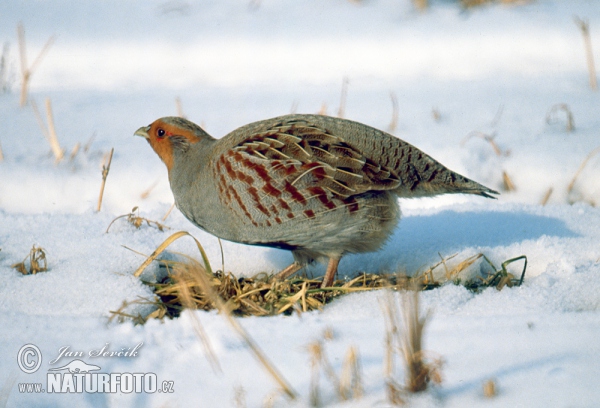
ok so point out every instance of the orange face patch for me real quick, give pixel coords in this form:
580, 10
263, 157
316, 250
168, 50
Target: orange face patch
160, 134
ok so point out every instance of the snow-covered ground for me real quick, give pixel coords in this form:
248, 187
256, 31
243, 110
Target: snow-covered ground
498, 70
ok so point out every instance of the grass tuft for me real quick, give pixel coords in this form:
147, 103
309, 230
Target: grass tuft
37, 262
404, 337
134, 219
348, 385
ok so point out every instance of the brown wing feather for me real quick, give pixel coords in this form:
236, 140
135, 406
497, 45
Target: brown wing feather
296, 170
315, 148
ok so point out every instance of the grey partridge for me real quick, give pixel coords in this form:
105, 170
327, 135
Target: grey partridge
318, 186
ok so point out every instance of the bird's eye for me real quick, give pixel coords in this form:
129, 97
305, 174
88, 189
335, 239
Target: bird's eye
160, 133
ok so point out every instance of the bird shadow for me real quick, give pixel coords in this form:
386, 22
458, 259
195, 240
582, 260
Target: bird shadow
460, 229
418, 240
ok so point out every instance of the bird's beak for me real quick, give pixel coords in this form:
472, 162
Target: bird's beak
143, 132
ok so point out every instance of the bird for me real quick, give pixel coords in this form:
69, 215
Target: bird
318, 186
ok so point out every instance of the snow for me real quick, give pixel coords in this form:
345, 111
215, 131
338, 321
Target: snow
497, 70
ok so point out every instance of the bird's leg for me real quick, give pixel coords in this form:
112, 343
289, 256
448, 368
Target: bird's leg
289, 271
330, 272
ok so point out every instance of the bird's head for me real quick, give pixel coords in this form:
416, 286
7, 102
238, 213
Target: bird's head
171, 135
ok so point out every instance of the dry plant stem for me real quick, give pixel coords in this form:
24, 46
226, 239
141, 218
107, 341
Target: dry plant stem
390, 312
581, 167
164, 246
26, 71
489, 388
39, 119
105, 170
179, 107
52, 138
411, 343
75, 151
1, 154
49, 131
487, 138
507, 182
394, 123
351, 380
168, 212
189, 304
134, 219
546, 197
145, 194
323, 110
342, 110
315, 373
587, 41
88, 144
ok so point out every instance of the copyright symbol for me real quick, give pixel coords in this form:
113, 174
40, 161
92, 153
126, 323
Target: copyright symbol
29, 358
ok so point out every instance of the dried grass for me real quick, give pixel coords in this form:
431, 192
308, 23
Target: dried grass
488, 138
323, 110
348, 385
179, 107
134, 219
164, 218
343, 97
394, 122
27, 72
37, 262
584, 26
585, 161
146, 193
105, 170
507, 183
49, 131
88, 144
404, 337
74, 152
546, 196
